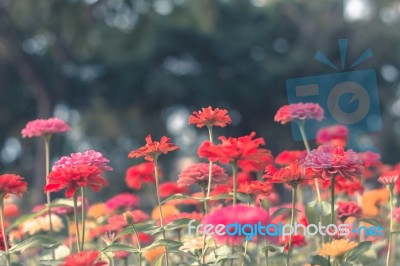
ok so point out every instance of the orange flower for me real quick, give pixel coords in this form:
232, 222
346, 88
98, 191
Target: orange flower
254, 188
152, 254
98, 210
168, 210
153, 149
337, 248
209, 117
372, 200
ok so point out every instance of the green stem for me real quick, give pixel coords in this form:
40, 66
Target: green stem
234, 173
294, 195
159, 207
138, 243
210, 133
47, 139
77, 234
203, 249
245, 251
333, 200
391, 198
83, 217
3, 231
266, 257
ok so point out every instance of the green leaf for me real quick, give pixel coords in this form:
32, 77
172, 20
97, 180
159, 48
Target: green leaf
120, 247
272, 248
164, 242
222, 196
319, 260
244, 197
179, 223
148, 228
176, 197
63, 202
370, 221
40, 240
356, 252
322, 208
25, 218
282, 211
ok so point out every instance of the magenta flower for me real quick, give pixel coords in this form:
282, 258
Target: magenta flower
240, 214
299, 112
329, 161
198, 174
43, 127
88, 158
122, 201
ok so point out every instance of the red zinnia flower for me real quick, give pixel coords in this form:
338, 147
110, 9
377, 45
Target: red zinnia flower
254, 188
257, 162
292, 174
84, 258
153, 149
198, 174
333, 135
372, 163
12, 184
287, 157
141, 173
329, 161
299, 112
390, 177
347, 209
297, 241
122, 201
170, 188
72, 178
232, 150
343, 185
42, 127
209, 117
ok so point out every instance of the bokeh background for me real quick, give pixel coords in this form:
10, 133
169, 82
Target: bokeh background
117, 70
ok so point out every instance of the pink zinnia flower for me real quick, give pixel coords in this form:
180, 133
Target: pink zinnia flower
42, 127
122, 201
348, 209
333, 135
88, 158
389, 178
329, 161
240, 214
198, 174
299, 112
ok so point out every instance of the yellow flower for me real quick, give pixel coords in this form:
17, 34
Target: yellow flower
41, 223
337, 248
194, 244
